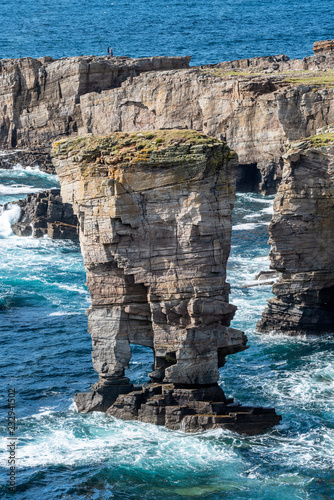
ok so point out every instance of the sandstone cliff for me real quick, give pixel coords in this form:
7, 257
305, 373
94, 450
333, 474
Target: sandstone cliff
155, 230
257, 105
302, 241
40, 98
323, 46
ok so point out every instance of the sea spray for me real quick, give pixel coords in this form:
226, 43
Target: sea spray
8, 216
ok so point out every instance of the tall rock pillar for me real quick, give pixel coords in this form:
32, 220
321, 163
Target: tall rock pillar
302, 242
155, 231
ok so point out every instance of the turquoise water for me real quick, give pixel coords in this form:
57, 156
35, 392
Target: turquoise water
210, 31
45, 348
46, 356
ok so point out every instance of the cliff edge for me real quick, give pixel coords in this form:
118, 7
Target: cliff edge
256, 105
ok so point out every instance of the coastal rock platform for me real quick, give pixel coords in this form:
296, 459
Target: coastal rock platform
44, 213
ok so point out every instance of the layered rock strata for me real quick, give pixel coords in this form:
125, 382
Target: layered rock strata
155, 229
43, 214
302, 242
323, 46
40, 98
257, 105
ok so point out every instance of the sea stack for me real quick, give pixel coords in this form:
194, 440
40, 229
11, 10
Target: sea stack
154, 210
302, 241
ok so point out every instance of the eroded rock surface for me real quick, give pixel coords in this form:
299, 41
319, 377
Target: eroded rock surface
40, 98
36, 157
302, 241
257, 105
155, 229
44, 213
323, 46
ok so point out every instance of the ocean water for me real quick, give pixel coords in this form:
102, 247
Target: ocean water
46, 357
211, 31
45, 349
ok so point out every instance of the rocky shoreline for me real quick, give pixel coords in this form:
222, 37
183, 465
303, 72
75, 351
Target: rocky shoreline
44, 213
148, 179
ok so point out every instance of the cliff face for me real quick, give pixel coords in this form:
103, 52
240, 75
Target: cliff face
155, 229
323, 46
257, 105
257, 115
40, 98
302, 242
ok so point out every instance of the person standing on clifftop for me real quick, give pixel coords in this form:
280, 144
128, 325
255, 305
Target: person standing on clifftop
110, 51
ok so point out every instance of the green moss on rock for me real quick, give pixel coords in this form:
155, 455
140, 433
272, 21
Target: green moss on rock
315, 141
136, 147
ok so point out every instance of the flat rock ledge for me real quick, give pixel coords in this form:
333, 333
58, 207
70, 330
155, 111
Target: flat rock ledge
154, 213
182, 408
302, 241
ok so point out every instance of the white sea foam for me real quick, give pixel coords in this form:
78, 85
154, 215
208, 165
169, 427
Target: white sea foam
17, 189
20, 170
255, 198
7, 218
72, 288
66, 313
247, 226
268, 210
6, 152
259, 215
72, 438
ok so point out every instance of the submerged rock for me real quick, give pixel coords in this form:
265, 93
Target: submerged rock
44, 213
302, 241
155, 233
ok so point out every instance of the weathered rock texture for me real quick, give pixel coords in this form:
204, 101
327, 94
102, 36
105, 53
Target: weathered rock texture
256, 108
302, 242
257, 105
323, 46
45, 214
37, 157
40, 98
155, 229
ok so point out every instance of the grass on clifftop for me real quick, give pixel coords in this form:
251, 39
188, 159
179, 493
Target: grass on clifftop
321, 140
318, 78
315, 141
127, 146
296, 77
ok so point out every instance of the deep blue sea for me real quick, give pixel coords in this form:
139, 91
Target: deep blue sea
211, 31
45, 349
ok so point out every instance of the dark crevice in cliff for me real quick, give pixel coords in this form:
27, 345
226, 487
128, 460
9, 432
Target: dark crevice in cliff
248, 178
